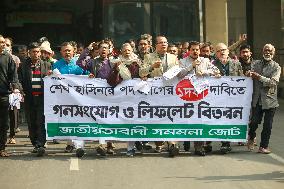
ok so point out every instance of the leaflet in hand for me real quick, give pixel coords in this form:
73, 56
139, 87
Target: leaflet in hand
56, 72
143, 86
172, 72
199, 83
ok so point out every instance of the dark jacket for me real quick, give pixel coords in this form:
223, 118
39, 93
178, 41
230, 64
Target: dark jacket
235, 68
25, 76
8, 74
246, 66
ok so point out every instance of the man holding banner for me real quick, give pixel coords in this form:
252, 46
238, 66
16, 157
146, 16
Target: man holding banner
100, 67
154, 65
227, 67
265, 74
199, 66
67, 65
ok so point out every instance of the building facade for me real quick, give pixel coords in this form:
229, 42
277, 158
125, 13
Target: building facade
180, 20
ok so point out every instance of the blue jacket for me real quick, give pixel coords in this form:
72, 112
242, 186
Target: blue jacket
68, 68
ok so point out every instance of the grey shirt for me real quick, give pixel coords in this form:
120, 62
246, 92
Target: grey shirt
265, 89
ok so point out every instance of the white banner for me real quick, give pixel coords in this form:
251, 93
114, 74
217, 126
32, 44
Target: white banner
207, 103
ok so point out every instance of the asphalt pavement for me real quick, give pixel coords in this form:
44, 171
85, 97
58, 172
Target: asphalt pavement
57, 169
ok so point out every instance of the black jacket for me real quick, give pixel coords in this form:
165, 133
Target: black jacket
8, 74
25, 75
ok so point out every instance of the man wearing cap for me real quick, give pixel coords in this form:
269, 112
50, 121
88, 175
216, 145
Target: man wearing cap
47, 53
31, 74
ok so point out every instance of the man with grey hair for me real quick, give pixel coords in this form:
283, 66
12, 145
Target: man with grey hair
227, 67
265, 74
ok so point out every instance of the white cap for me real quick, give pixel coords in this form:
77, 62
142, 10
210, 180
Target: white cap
45, 46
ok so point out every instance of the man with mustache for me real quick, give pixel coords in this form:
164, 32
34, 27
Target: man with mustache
246, 60
195, 64
265, 74
143, 48
205, 51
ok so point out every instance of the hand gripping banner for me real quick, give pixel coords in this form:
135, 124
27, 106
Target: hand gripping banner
189, 109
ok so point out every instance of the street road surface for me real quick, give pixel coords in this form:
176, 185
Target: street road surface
59, 170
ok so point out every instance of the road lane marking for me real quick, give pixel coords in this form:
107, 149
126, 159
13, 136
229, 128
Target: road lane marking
276, 157
74, 164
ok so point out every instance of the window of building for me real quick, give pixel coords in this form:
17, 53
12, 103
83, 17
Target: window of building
178, 20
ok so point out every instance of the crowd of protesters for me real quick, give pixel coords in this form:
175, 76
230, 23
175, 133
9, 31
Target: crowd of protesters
21, 83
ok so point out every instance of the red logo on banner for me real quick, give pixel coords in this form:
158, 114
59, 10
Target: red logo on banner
186, 91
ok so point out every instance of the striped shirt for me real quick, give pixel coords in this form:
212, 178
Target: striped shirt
36, 80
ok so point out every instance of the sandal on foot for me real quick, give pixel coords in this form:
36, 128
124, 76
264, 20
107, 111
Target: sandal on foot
3, 153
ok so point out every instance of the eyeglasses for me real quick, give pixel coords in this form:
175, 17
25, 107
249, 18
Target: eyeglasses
104, 46
222, 50
163, 42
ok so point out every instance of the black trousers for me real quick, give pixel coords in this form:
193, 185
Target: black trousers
14, 121
4, 125
256, 118
35, 119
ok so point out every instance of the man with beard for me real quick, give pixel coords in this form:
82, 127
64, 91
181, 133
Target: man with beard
205, 51
143, 48
245, 58
265, 74
227, 67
